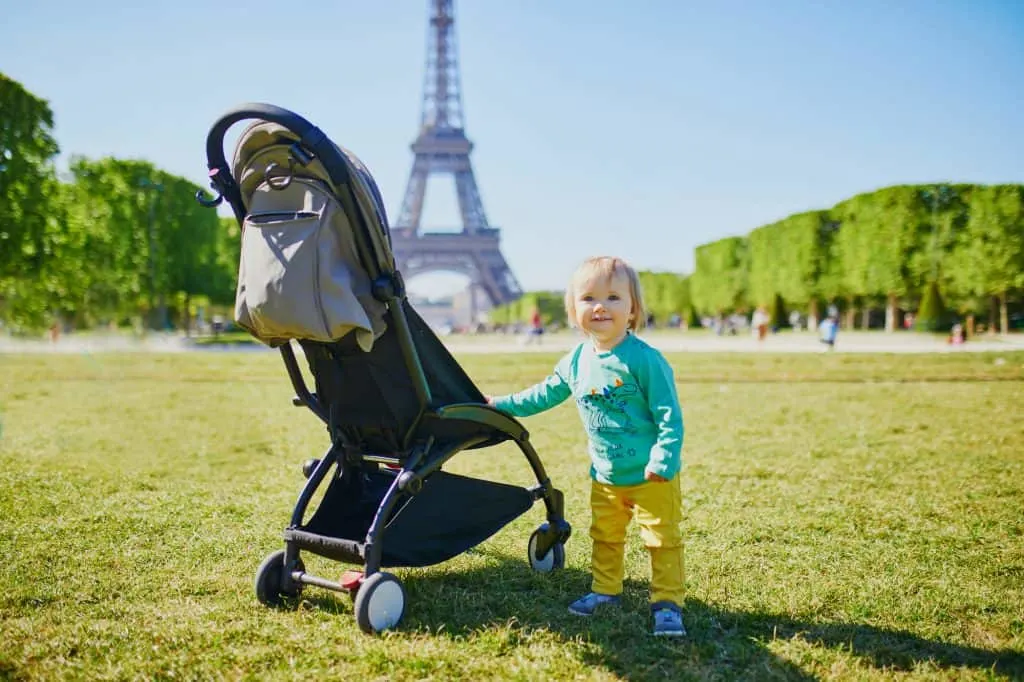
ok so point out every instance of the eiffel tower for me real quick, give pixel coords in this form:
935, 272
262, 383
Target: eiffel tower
442, 147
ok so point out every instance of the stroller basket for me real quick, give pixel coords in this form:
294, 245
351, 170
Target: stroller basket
317, 274
423, 530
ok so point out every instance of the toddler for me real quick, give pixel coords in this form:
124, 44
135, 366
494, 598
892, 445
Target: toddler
626, 396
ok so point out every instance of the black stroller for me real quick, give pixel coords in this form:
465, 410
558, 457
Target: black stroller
317, 270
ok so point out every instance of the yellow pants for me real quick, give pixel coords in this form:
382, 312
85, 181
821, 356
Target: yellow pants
659, 512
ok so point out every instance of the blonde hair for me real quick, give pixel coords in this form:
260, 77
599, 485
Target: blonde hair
606, 267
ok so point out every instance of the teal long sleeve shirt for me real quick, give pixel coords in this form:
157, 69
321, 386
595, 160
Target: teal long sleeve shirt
628, 403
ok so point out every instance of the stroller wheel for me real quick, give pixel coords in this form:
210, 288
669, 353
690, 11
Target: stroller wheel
380, 603
554, 559
270, 580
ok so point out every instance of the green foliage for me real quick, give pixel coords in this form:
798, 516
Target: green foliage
227, 252
719, 283
877, 235
778, 317
787, 258
550, 304
119, 237
885, 245
946, 212
666, 294
147, 234
988, 254
26, 151
27, 192
932, 316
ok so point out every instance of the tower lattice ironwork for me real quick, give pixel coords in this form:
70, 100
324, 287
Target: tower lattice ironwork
442, 147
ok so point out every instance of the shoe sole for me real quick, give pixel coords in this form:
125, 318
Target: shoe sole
681, 633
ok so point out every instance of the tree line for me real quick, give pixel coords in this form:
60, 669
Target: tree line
943, 251
113, 242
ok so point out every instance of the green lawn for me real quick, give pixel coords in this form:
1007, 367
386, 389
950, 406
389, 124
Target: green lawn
847, 517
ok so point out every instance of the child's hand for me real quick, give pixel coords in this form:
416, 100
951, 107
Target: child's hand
489, 399
651, 476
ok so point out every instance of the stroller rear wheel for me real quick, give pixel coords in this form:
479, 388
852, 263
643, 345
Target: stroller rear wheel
552, 560
270, 580
380, 603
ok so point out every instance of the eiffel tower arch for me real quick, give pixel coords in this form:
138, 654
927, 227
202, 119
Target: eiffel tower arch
443, 148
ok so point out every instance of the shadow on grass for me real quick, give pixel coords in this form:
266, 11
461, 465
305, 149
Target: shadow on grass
720, 644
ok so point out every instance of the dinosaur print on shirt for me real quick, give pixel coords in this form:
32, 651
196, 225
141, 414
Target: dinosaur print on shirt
605, 409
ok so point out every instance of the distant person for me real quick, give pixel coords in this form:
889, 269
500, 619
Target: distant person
759, 323
828, 329
217, 325
794, 320
536, 331
626, 396
956, 335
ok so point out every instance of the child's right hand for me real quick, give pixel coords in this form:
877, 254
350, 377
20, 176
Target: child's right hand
489, 399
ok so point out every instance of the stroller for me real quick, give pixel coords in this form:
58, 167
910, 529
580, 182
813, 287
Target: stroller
317, 274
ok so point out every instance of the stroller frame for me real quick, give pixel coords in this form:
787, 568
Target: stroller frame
379, 596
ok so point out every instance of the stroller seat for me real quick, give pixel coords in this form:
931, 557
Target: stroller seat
317, 275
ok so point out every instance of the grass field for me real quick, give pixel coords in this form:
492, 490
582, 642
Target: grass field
847, 517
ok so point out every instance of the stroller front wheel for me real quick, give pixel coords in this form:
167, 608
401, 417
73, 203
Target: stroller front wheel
380, 603
270, 580
552, 560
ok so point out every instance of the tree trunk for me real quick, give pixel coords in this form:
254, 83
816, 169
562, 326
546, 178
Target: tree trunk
162, 312
187, 314
812, 316
970, 325
1004, 317
851, 313
890, 313
865, 317
992, 310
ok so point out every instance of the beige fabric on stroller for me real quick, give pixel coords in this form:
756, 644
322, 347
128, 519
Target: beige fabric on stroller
299, 275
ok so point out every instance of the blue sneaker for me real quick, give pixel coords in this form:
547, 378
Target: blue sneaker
668, 622
587, 605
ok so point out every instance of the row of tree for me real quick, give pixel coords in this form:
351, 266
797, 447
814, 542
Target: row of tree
944, 251
112, 242
959, 247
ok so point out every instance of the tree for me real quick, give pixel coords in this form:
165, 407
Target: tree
27, 190
932, 315
191, 246
26, 152
144, 240
666, 294
988, 259
788, 259
877, 235
719, 282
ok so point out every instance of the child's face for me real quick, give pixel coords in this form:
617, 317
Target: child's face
603, 309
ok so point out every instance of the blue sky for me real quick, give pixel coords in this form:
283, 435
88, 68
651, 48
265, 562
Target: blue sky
641, 129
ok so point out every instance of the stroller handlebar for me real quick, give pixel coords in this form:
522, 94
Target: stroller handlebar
306, 131
310, 137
